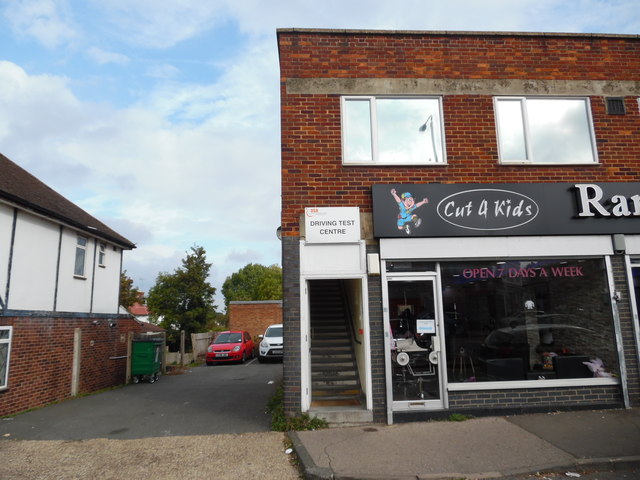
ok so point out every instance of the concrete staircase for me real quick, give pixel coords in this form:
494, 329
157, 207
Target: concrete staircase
334, 373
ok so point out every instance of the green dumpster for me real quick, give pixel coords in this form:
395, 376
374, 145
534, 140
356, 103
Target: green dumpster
146, 360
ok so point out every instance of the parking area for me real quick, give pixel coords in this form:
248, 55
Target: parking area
203, 400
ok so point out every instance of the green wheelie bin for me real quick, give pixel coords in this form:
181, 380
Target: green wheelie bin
146, 360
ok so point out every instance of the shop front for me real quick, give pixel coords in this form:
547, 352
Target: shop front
512, 297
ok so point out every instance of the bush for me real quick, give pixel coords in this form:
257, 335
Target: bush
281, 423
459, 417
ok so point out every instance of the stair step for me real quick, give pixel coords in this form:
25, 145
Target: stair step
338, 392
331, 354
324, 360
337, 368
338, 402
329, 343
334, 376
338, 372
324, 381
328, 347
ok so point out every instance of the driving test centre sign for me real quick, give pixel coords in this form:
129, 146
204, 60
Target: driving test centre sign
332, 224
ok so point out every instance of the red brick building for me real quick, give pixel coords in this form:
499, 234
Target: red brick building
460, 222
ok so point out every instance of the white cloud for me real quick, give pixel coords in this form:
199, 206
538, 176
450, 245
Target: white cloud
165, 186
163, 71
161, 23
48, 21
102, 57
194, 158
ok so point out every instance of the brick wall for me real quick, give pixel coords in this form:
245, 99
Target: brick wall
312, 170
629, 341
317, 67
376, 338
561, 398
291, 369
254, 317
42, 356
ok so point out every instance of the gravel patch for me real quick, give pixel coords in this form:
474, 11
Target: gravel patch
247, 455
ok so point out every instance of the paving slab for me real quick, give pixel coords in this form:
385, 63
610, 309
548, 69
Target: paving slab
589, 433
488, 447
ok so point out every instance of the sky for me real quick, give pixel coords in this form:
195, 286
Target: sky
161, 117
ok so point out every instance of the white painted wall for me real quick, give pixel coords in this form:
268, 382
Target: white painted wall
105, 297
33, 267
35, 263
74, 293
6, 220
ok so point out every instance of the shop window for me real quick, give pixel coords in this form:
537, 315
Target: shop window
545, 130
81, 253
392, 131
528, 320
5, 351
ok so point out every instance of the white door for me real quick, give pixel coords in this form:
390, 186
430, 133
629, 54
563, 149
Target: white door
414, 333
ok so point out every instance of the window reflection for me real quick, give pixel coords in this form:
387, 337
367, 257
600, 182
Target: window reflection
527, 320
357, 128
392, 130
544, 130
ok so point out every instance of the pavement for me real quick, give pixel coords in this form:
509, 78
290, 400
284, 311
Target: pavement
210, 422
573, 444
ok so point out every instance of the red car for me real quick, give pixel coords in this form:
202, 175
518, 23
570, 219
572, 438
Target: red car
232, 346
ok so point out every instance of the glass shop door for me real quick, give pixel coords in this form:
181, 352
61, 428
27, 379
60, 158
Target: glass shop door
413, 328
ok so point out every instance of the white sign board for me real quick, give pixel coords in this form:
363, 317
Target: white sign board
425, 327
332, 224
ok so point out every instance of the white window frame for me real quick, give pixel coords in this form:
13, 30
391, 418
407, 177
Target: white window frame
372, 99
79, 246
530, 159
6, 341
102, 254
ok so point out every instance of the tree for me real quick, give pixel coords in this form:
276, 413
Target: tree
253, 282
128, 293
183, 300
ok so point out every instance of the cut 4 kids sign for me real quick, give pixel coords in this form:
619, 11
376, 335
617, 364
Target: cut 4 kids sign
448, 210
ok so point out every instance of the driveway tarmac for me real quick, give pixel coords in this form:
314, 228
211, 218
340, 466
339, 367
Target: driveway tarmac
208, 422
201, 401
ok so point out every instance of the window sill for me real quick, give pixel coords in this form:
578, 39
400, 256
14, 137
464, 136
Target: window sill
517, 384
374, 164
80, 277
548, 164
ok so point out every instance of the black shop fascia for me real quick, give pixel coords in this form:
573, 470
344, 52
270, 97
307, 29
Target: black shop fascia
505, 209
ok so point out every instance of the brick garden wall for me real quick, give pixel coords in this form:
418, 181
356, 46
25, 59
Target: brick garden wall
42, 356
254, 317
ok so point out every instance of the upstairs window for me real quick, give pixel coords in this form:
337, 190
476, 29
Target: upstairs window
392, 131
545, 130
102, 254
81, 253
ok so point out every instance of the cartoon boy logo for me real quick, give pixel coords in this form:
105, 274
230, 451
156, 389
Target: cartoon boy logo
406, 205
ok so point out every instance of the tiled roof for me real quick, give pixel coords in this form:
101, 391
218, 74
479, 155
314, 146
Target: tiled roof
137, 309
23, 189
